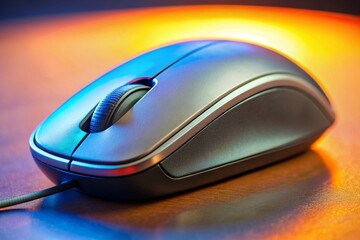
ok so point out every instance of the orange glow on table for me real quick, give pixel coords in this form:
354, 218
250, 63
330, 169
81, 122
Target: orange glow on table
78, 48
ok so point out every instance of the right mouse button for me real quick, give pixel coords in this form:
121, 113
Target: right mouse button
268, 122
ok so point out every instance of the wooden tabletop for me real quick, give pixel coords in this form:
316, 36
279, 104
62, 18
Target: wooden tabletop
316, 195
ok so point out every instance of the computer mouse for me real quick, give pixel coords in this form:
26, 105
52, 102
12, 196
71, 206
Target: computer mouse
180, 117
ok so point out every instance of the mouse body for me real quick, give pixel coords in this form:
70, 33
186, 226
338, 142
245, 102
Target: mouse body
179, 117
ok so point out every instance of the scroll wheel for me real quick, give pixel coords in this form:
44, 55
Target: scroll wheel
114, 105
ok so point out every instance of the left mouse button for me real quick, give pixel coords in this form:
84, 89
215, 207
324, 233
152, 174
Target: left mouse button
46, 157
59, 135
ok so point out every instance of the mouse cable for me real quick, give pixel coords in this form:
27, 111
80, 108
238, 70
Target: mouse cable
39, 194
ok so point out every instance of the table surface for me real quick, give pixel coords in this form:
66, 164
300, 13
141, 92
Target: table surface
44, 60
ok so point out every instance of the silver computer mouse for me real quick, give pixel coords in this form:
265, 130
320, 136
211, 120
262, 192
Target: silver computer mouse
179, 117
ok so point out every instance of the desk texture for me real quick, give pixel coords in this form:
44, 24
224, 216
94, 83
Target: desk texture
316, 195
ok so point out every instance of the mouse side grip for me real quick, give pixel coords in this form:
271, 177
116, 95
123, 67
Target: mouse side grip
269, 121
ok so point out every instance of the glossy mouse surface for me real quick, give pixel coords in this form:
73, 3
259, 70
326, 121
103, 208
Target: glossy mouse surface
179, 117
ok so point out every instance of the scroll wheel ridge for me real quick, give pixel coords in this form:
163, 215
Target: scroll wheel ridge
114, 105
